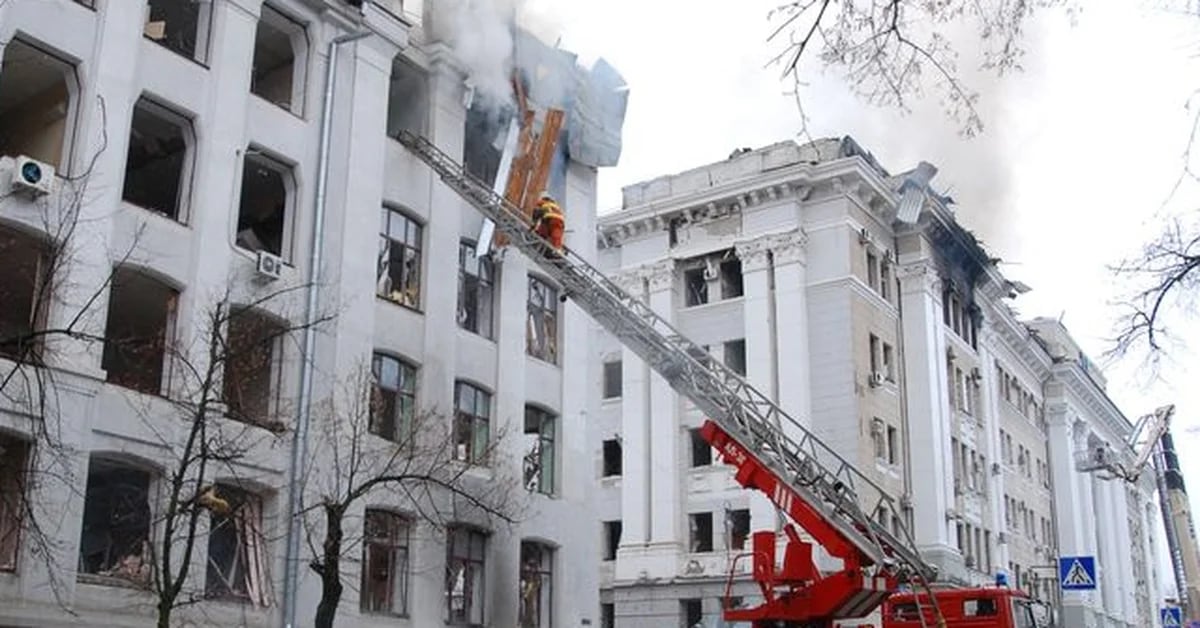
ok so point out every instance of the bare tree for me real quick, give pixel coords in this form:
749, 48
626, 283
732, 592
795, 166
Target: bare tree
420, 460
890, 51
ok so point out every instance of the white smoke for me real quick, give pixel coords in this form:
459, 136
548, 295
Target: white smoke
481, 34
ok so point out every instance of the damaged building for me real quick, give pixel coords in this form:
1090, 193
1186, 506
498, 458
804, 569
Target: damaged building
854, 299
205, 170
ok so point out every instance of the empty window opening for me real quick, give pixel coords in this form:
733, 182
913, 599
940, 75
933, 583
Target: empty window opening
731, 278
608, 615
612, 457
693, 613
537, 585
476, 290
465, 568
237, 561
408, 99
893, 445
735, 356
181, 27
472, 412
541, 337
264, 218
539, 450
385, 563
484, 136
35, 104
695, 286
612, 539
280, 48
14, 468
23, 293
252, 368
885, 281
141, 313
399, 266
872, 270
394, 407
116, 522
700, 532
612, 379
157, 159
889, 363
701, 450
739, 528
873, 344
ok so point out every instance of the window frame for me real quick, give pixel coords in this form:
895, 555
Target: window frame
274, 331
608, 377
611, 531
697, 544
615, 450
203, 44
545, 450
403, 423
97, 464
697, 445
474, 419
537, 315
296, 31
240, 500
71, 84
286, 170
165, 112
170, 312
383, 264
467, 559
543, 571
13, 481
476, 282
397, 550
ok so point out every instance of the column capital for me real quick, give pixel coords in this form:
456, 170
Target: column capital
659, 275
789, 246
628, 280
752, 253
921, 274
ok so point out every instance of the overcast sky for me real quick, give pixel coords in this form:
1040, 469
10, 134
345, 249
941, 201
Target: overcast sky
1078, 154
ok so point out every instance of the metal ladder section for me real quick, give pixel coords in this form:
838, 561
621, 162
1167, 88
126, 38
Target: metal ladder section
827, 482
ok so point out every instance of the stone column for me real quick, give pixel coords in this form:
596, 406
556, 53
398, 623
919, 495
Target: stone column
1127, 607
929, 425
666, 439
794, 392
635, 447
761, 362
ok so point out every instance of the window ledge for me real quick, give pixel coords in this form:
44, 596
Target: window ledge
412, 308
112, 581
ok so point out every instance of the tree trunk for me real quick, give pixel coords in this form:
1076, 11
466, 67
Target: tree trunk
331, 572
164, 612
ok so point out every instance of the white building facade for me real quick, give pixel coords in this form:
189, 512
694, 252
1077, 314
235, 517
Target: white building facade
892, 341
197, 130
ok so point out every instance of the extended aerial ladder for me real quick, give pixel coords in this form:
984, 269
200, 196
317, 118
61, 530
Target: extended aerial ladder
817, 488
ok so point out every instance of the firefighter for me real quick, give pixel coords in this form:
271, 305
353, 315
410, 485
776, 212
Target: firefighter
548, 222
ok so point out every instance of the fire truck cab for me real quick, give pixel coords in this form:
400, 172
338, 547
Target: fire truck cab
984, 607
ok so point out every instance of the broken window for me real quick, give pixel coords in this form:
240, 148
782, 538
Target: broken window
537, 585
878, 443
472, 411
398, 278
476, 290
872, 270
739, 528
14, 468
889, 363
141, 312
608, 615
612, 539
385, 563
735, 356
483, 139
394, 406
893, 445
116, 522
731, 278
873, 345
408, 99
35, 103
612, 457
700, 532
885, 281
159, 142
22, 293
701, 450
181, 27
264, 212
539, 456
693, 612
237, 560
541, 338
695, 287
276, 76
252, 368
465, 576
612, 379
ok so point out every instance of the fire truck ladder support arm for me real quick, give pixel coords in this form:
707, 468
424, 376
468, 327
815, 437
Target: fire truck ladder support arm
835, 497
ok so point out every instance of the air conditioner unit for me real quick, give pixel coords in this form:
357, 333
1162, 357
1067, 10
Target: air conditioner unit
269, 266
32, 177
876, 379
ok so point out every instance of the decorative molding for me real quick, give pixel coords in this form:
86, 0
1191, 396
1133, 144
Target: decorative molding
753, 253
789, 247
659, 275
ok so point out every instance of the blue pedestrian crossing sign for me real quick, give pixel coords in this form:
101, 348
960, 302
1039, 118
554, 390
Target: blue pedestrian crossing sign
1077, 573
1171, 616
